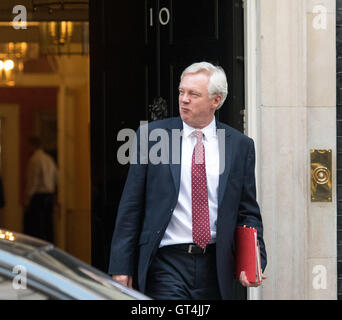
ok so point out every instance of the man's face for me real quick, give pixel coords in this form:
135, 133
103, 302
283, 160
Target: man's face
195, 107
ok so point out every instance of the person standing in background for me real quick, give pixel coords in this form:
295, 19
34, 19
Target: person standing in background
40, 192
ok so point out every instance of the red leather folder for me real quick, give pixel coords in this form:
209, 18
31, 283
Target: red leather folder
247, 254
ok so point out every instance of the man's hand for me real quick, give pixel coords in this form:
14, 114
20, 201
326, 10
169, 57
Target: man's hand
246, 283
123, 279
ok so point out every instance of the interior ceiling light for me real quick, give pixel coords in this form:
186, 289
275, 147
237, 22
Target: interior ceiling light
8, 65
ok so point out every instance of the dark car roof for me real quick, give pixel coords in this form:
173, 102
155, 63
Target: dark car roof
19, 242
46, 255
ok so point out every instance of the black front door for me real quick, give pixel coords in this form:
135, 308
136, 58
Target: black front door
138, 50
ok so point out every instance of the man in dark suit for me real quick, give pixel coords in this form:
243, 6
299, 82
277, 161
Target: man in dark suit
174, 232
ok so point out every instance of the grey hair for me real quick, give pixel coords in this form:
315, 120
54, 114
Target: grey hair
217, 83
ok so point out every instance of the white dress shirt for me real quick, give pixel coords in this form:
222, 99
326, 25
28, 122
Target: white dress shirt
179, 229
41, 174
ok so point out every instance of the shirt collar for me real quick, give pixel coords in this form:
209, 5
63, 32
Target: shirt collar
208, 131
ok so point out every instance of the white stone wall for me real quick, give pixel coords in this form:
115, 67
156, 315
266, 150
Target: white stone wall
296, 70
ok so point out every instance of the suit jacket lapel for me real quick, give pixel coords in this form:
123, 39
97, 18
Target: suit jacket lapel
225, 154
175, 150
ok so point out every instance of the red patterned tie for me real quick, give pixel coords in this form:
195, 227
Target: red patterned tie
200, 208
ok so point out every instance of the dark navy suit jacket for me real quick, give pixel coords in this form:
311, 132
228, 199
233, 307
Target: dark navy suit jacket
151, 194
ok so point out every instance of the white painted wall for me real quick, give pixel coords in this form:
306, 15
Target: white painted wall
291, 108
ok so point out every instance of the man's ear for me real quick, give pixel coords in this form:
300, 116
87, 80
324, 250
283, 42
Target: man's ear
217, 100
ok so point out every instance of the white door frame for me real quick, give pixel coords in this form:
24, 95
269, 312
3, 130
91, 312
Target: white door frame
252, 93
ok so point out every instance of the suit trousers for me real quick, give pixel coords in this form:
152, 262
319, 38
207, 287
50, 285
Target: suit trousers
38, 220
175, 274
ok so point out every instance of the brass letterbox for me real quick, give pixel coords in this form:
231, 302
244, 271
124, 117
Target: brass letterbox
321, 185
